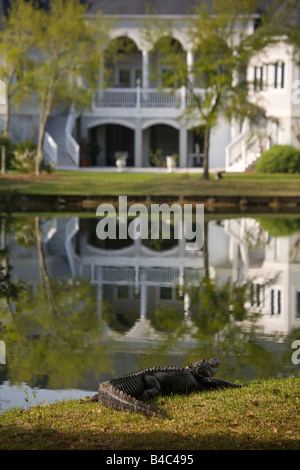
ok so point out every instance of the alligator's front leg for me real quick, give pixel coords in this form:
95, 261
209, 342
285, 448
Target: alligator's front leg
152, 388
209, 383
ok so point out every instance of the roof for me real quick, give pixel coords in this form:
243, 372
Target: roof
161, 7
134, 7
139, 7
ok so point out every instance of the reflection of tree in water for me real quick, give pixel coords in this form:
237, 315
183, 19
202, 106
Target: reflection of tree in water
55, 347
214, 329
215, 305
53, 334
9, 288
280, 226
167, 320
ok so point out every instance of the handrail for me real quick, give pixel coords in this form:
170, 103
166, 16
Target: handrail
50, 149
72, 147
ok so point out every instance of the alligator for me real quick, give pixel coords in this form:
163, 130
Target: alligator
129, 392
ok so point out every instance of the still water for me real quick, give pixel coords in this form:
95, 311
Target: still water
75, 310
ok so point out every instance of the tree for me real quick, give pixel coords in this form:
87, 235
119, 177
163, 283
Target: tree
285, 23
67, 66
17, 38
222, 45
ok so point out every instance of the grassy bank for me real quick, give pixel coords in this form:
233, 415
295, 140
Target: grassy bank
175, 184
262, 415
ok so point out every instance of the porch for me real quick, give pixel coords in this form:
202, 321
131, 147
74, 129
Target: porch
137, 121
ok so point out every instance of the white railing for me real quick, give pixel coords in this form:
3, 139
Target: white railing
50, 149
145, 97
160, 275
130, 275
152, 98
72, 147
244, 151
119, 97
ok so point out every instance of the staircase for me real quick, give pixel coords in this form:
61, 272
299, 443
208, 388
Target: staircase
244, 151
60, 244
56, 129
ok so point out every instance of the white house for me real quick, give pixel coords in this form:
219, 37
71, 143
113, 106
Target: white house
136, 116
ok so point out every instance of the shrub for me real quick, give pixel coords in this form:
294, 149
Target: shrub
157, 158
279, 159
25, 155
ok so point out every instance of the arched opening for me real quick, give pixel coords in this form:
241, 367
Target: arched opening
165, 58
160, 140
123, 64
112, 138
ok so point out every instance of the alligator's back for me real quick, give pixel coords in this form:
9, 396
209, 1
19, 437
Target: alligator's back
122, 393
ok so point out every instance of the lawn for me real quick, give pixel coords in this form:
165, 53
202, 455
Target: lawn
150, 184
264, 414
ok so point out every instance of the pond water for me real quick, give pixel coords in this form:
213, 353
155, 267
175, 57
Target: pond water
75, 310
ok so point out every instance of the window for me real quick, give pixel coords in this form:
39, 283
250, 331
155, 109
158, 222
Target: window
275, 307
269, 76
258, 78
279, 75
257, 295
124, 78
166, 293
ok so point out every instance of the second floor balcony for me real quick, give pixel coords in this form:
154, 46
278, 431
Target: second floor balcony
144, 101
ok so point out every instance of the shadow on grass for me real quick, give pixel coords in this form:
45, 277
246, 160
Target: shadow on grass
39, 438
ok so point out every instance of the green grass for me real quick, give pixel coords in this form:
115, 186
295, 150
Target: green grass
262, 415
175, 184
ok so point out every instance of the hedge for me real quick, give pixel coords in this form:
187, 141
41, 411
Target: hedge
279, 159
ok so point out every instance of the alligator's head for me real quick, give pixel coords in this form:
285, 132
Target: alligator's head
205, 368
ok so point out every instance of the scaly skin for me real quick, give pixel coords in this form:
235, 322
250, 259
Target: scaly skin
130, 391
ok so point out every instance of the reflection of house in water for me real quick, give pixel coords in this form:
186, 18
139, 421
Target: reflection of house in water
272, 264
136, 277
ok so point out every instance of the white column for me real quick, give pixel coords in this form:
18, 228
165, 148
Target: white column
145, 67
138, 143
143, 304
183, 146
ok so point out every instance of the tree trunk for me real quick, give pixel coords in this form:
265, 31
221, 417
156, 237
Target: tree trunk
39, 153
3, 159
5, 131
206, 154
45, 114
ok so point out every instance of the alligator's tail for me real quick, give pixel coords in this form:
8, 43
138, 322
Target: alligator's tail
108, 395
